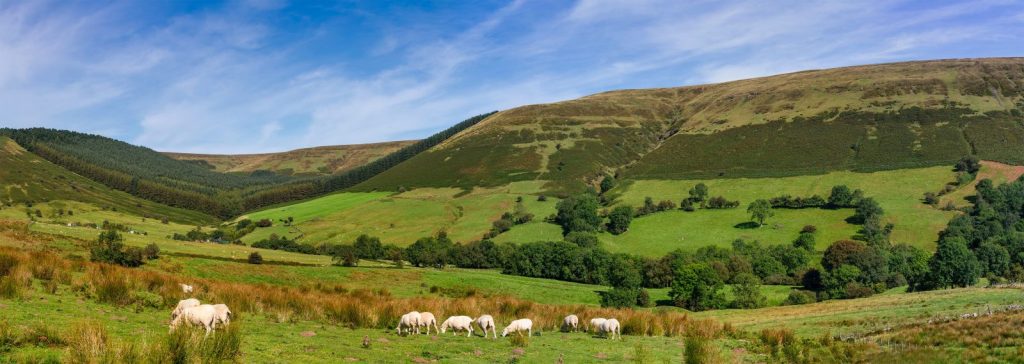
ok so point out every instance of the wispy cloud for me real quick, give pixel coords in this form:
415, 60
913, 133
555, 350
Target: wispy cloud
264, 75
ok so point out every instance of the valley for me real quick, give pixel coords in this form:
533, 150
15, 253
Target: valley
857, 214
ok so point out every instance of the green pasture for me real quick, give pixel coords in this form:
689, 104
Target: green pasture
899, 192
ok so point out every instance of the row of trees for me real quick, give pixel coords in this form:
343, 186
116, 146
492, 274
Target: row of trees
987, 241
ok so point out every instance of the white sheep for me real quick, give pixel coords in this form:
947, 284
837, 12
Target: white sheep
182, 305
456, 323
202, 315
427, 319
223, 315
487, 322
610, 328
595, 324
410, 322
187, 288
518, 326
571, 323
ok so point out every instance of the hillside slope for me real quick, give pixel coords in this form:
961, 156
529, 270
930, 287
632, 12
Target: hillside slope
305, 161
855, 118
27, 178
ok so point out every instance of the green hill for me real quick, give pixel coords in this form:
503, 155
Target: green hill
27, 178
148, 174
863, 118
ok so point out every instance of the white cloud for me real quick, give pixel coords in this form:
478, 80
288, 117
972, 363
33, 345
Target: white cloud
229, 80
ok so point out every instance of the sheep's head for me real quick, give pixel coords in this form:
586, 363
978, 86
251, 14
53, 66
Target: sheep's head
504, 332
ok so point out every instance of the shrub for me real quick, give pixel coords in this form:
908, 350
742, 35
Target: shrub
109, 248
151, 251
857, 290
747, 292
800, 297
255, 258
619, 297
619, 219
264, 223
145, 299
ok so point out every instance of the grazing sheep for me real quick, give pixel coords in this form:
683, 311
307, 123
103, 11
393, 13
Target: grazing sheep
457, 323
610, 328
427, 319
487, 322
223, 315
595, 324
187, 288
518, 326
182, 305
571, 323
202, 315
410, 322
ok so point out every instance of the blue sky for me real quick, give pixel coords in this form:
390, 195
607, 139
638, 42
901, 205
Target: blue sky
267, 75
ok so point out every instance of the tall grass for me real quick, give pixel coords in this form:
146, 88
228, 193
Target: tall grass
89, 343
357, 308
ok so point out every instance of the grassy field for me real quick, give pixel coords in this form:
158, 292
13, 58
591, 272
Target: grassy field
898, 192
155, 232
400, 218
266, 340
271, 336
861, 316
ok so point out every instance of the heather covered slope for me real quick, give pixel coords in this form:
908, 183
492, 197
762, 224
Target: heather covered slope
855, 118
306, 161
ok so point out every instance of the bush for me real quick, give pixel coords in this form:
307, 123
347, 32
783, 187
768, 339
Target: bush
151, 251
109, 248
747, 292
857, 290
264, 223
643, 298
146, 299
800, 297
255, 258
619, 297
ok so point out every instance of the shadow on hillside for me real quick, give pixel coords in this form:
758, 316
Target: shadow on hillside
747, 225
664, 303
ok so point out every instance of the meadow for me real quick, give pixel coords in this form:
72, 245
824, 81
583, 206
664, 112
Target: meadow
39, 323
400, 218
899, 192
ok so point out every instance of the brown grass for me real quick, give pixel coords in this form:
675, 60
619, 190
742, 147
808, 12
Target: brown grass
357, 308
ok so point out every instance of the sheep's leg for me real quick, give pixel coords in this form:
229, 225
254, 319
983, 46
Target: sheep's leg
469, 333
